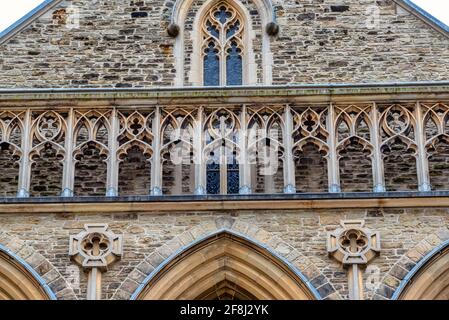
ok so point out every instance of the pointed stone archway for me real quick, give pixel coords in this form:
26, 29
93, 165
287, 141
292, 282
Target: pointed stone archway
18, 281
25, 274
225, 266
301, 265
429, 279
423, 261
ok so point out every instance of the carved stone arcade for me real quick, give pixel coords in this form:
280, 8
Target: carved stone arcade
197, 132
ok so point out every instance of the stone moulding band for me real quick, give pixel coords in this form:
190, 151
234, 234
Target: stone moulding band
242, 94
176, 7
155, 204
33, 272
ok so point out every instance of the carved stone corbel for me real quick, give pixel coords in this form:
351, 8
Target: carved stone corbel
272, 28
354, 246
173, 30
94, 249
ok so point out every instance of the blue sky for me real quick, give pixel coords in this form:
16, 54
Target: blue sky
12, 10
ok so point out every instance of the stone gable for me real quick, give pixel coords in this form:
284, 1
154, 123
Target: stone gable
124, 43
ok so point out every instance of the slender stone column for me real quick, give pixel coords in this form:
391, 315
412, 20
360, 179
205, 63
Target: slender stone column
69, 168
289, 165
378, 166
422, 165
94, 284
198, 151
156, 165
25, 163
223, 159
112, 183
244, 166
332, 163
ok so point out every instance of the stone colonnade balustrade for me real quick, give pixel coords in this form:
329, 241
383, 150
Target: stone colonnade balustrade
255, 140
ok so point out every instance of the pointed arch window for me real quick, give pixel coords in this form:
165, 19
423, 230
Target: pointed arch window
222, 46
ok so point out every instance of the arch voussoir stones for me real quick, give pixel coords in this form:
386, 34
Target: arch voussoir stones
274, 244
395, 279
40, 264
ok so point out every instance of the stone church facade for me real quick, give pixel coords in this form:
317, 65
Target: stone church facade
224, 149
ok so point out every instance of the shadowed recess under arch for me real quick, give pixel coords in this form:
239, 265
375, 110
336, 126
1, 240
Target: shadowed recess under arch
225, 265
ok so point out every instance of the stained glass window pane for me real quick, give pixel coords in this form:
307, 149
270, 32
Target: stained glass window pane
211, 66
212, 29
213, 178
234, 66
222, 52
233, 178
232, 29
223, 15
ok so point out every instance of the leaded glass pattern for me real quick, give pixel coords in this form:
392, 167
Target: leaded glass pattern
222, 176
222, 140
213, 178
233, 178
222, 49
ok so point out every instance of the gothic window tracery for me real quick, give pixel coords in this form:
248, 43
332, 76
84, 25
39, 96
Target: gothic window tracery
222, 172
222, 46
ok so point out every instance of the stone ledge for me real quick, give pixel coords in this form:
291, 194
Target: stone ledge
150, 204
314, 93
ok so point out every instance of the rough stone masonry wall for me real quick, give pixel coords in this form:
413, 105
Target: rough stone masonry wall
356, 174
9, 172
123, 43
311, 170
90, 173
328, 41
401, 230
46, 174
400, 168
439, 166
119, 43
134, 174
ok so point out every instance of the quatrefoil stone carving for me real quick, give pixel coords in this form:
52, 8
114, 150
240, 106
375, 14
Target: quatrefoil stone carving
95, 247
354, 247
352, 243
